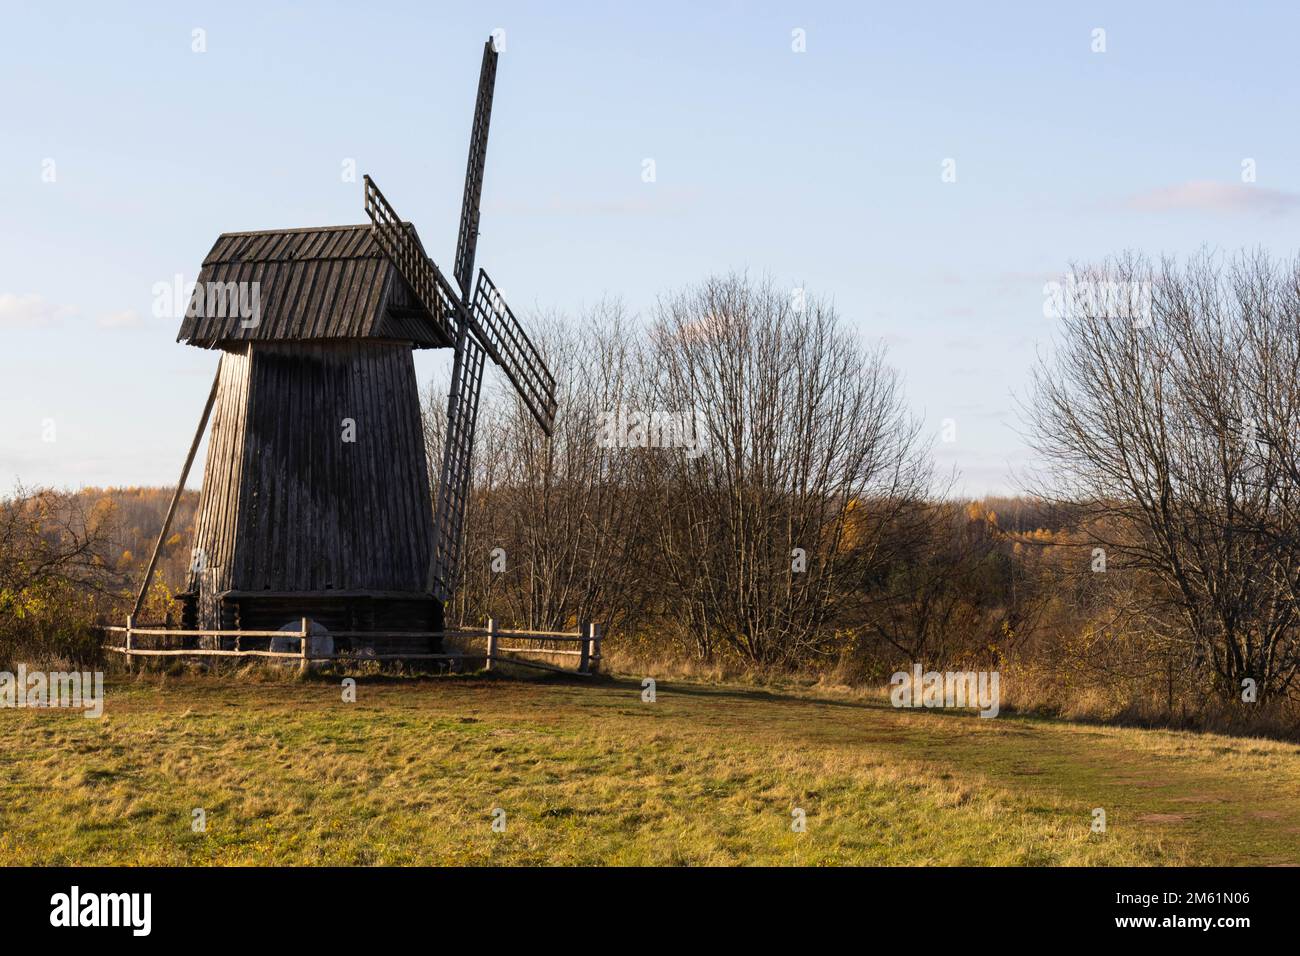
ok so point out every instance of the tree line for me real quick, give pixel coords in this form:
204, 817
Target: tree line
735, 482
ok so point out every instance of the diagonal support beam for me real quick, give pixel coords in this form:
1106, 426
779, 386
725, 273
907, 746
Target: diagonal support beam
176, 497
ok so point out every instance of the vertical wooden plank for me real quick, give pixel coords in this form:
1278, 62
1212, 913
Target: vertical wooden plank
492, 643
306, 649
595, 648
130, 623
584, 648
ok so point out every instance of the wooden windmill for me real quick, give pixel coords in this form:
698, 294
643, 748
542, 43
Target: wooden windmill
316, 500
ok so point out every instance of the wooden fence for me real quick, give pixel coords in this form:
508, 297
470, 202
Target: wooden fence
588, 639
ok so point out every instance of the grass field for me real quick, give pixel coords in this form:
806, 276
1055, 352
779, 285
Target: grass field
589, 774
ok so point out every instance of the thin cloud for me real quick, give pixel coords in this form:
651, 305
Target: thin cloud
126, 319
1209, 196
18, 311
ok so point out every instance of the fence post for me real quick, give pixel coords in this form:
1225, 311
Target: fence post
492, 643
130, 623
584, 647
305, 666
595, 647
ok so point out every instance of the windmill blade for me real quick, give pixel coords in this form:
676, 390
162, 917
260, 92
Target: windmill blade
457, 455
467, 238
419, 271
492, 324
499, 330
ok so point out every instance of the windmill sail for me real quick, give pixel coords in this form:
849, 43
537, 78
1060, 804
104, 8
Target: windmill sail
419, 271
514, 351
467, 238
484, 327
457, 456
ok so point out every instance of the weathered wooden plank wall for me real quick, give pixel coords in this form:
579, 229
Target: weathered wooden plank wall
216, 521
289, 505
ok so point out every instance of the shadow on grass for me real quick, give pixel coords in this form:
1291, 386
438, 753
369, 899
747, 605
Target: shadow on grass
505, 675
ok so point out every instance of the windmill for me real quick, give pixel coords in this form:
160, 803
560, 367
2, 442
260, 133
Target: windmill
315, 499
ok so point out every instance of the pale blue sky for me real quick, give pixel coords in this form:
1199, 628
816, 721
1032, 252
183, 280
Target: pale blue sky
820, 168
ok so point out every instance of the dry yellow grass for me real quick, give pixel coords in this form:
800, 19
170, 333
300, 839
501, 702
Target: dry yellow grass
589, 774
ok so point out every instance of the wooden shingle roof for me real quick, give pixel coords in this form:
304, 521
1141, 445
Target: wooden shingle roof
325, 283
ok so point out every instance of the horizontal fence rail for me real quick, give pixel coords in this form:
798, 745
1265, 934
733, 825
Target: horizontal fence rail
588, 639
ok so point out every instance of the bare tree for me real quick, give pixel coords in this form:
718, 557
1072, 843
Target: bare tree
552, 528
1149, 415
795, 427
